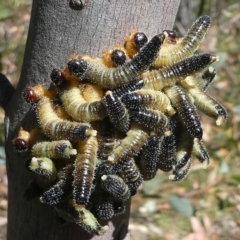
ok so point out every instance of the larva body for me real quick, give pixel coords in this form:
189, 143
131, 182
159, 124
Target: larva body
116, 187
112, 78
150, 156
117, 112
53, 149
152, 119
187, 111
169, 76
130, 145
186, 47
85, 164
73, 212
104, 209
200, 152
155, 100
58, 191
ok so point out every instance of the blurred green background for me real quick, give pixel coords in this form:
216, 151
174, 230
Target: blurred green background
205, 205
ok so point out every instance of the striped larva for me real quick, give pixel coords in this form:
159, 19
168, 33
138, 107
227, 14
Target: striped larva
187, 111
44, 167
172, 53
77, 107
58, 191
155, 100
78, 214
169, 76
206, 103
53, 126
130, 173
116, 187
134, 42
53, 149
149, 157
200, 152
130, 145
111, 78
128, 88
152, 119
85, 165
116, 111
24, 141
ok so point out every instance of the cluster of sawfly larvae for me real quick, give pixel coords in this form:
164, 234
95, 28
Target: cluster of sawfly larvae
108, 123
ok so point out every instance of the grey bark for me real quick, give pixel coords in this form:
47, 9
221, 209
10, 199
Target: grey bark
55, 32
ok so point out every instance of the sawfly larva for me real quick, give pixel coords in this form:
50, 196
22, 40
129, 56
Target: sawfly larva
116, 187
111, 78
116, 111
54, 149
85, 165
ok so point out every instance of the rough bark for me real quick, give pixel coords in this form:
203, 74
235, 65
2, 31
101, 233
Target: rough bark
55, 32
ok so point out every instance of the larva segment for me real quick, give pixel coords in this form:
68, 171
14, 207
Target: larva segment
127, 88
91, 92
200, 152
85, 165
130, 145
129, 172
112, 78
152, 119
54, 149
104, 209
207, 104
186, 47
58, 191
116, 111
155, 100
44, 167
73, 212
134, 42
185, 108
116, 187
150, 156
169, 76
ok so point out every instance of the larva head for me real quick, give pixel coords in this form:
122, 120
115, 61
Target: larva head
170, 36
140, 39
118, 57
30, 95
20, 144
78, 67
56, 76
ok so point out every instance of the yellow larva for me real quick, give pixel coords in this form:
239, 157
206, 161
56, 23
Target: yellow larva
84, 172
54, 149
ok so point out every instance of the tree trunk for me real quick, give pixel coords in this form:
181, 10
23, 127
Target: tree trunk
55, 32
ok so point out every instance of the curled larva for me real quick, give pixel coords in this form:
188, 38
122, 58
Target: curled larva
187, 111
169, 76
85, 165
206, 103
155, 100
130, 173
111, 78
54, 149
200, 152
73, 212
44, 167
58, 191
116, 111
152, 119
74, 102
53, 126
134, 42
150, 156
130, 145
127, 88
172, 53
25, 139
116, 187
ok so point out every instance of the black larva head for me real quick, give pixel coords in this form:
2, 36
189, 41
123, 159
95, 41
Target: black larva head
77, 67
56, 76
118, 57
140, 40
